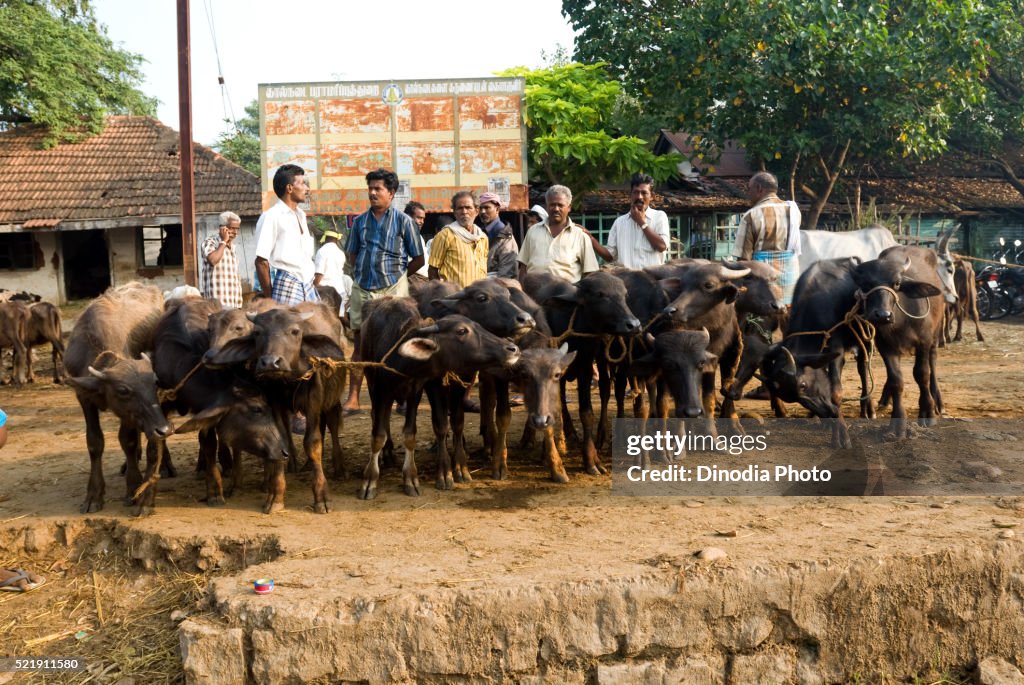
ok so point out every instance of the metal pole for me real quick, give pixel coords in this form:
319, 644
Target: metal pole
188, 200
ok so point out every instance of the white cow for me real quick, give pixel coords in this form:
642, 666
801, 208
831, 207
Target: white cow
866, 244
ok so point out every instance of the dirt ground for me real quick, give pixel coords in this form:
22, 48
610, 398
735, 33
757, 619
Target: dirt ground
524, 529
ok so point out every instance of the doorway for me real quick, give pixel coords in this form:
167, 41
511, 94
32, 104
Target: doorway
86, 263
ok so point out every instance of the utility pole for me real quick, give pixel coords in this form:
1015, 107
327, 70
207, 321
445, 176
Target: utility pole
188, 200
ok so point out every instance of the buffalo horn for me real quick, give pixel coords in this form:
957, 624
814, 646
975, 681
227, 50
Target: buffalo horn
906, 265
732, 274
790, 366
99, 374
704, 334
426, 330
942, 247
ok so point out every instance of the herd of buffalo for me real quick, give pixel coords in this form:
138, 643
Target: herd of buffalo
687, 333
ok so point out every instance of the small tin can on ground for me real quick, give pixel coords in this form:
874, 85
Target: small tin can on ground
263, 586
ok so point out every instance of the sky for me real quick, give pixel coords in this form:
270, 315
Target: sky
324, 40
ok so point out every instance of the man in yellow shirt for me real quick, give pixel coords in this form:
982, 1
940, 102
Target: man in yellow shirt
459, 250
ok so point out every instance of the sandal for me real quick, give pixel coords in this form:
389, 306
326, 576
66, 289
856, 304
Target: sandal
11, 584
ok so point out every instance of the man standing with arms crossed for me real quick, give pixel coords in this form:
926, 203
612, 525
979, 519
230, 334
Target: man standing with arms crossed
283, 241
383, 247
557, 245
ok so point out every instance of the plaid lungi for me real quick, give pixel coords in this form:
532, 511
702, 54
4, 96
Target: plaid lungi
788, 266
290, 290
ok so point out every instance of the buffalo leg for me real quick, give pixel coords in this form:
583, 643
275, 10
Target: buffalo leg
334, 421
275, 486
502, 419
236, 473
94, 440
568, 428
130, 440
604, 389
707, 391
208, 453
146, 501
867, 405
437, 396
489, 388
380, 415
894, 390
923, 377
410, 477
840, 433
313, 442
591, 461
934, 381
456, 396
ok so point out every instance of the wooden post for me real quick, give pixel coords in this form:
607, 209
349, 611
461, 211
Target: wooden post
188, 200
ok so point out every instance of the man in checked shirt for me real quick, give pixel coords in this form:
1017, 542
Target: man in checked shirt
220, 265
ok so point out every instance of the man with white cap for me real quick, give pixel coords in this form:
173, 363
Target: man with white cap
329, 265
503, 253
536, 215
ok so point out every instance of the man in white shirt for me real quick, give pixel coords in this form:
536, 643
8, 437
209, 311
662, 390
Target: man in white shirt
283, 241
557, 245
329, 265
639, 238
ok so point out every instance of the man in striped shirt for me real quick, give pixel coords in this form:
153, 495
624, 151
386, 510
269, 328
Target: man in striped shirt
459, 251
383, 247
770, 232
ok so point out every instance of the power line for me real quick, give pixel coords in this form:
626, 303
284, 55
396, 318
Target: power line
225, 97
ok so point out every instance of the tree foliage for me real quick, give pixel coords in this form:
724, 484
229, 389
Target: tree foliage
810, 89
242, 144
58, 68
569, 111
994, 126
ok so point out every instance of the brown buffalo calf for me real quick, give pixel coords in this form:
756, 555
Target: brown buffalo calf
44, 327
14, 318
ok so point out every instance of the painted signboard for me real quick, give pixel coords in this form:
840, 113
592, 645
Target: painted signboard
440, 136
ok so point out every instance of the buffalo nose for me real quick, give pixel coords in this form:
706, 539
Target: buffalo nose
540, 421
525, 320
512, 349
163, 431
631, 325
882, 316
269, 362
778, 306
669, 310
693, 412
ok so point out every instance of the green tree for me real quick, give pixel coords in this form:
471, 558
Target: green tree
993, 127
58, 68
569, 112
812, 90
242, 145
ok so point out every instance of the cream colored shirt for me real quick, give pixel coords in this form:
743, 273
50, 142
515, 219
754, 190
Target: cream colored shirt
569, 255
630, 247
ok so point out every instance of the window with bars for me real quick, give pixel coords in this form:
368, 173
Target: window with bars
161, 245
17, 251
680, 229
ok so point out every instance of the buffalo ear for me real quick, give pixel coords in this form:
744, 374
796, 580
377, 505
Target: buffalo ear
321, 346
672, 287
818, 361
449, 303
87, 385
572, 298
711, 359
207, 418
237, 351
731, 292
917, 289
644, 366
420, 349
567, 360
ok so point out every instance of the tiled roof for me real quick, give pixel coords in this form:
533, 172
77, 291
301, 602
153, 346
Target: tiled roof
718, 195
131, 169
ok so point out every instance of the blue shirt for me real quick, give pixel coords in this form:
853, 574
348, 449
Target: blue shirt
382, 248
3, 418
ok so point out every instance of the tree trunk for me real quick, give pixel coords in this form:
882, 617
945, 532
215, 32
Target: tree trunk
1008, 173
831, 176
